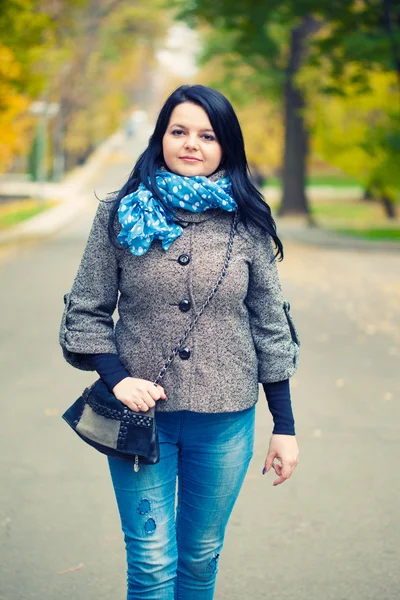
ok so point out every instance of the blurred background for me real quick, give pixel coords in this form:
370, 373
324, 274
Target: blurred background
316, 85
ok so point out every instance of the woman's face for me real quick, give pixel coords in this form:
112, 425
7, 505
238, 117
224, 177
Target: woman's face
190, 145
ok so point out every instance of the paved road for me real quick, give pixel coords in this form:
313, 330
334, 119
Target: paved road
331, 533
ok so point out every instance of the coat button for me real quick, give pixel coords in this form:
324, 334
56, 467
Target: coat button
184, 354
184, 305
184, 259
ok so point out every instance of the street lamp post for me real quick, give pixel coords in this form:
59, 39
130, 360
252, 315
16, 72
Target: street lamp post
45, 111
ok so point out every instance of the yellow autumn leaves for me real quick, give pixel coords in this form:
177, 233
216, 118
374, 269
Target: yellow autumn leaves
15, 121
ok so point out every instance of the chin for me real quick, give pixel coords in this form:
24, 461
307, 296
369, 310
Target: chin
191, 170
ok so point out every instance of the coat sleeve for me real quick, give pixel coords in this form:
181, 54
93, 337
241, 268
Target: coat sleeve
274, 333
87, 325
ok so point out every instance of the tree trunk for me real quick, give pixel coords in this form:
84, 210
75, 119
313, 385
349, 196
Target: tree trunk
391, 26
294, 199
389, 207
368, 196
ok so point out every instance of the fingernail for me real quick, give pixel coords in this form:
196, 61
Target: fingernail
264, 470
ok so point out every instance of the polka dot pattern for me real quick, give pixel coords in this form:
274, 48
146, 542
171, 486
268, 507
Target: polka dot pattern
144, 219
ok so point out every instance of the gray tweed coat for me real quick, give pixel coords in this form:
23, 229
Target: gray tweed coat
245, 336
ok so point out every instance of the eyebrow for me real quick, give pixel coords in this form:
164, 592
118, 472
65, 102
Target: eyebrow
184, 127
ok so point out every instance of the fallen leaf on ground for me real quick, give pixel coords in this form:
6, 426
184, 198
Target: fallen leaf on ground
370, 329
70, 569
51, 412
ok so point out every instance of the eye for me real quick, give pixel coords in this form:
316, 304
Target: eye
208, 137
177, 132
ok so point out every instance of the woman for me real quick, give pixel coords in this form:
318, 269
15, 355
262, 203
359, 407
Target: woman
157, 250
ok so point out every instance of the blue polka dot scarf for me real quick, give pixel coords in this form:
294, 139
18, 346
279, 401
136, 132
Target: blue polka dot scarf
144, 219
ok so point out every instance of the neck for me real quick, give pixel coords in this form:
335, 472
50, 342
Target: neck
218, 174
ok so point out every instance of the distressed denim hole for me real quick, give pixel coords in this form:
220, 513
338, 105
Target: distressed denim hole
150, 526
212, 565
144, 507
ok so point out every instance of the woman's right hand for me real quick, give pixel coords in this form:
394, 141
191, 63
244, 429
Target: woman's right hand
138, 394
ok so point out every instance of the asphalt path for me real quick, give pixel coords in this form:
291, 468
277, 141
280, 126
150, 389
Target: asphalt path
332, 532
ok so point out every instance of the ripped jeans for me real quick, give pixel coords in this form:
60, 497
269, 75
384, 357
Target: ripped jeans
172, 551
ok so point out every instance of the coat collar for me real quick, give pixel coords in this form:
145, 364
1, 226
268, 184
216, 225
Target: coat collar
188, 216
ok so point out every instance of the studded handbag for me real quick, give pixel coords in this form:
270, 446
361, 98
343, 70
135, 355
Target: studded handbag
112, 428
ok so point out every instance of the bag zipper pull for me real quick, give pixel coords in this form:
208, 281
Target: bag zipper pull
136, 464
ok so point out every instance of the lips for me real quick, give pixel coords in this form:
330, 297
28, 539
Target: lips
190, 158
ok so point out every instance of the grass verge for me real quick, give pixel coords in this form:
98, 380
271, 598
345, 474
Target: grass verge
391, 235
363, 220
329, 180
15, 212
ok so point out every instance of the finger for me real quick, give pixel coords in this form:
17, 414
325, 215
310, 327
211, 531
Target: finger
285, 473
147, 399
279, 481
142, 405
269, 461
130, 404
277, 468
156, 392
288, 469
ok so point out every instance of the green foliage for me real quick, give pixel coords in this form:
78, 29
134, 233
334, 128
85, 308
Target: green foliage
351, 40
360, 132
26, 29
245, 27
364, 33
383, 146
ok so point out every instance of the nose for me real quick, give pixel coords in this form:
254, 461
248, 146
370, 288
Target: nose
191, 142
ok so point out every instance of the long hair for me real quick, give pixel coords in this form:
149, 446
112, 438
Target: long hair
251, 203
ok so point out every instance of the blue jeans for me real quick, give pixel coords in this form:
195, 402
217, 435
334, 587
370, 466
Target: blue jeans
174, 555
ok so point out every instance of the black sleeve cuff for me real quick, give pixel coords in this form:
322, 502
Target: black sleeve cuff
109, 367
280, 406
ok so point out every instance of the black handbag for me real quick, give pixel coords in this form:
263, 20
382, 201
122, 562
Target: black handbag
112, 428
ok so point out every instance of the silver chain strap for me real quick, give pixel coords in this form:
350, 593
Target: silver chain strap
189, 330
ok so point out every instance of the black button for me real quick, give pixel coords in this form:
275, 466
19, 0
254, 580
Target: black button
184, 354
184, 305
184, 259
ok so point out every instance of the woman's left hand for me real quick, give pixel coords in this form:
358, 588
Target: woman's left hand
284, 449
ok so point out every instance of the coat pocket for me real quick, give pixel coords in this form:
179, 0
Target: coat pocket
292, 326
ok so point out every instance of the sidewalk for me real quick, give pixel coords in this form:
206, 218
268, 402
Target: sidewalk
72, 195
